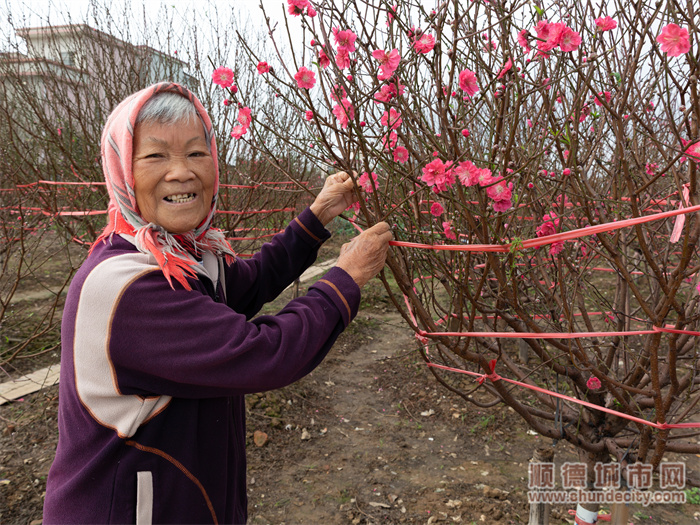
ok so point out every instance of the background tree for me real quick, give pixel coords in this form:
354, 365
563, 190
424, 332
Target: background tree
59, 80
479, 128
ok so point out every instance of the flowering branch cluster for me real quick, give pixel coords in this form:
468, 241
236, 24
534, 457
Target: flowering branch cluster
486, 123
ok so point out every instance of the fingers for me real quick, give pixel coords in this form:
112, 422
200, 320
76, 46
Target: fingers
381, 232
365, 255
379, 229
339, 182
339, 177
342, 177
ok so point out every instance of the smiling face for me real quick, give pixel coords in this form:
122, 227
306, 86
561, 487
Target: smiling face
174, 174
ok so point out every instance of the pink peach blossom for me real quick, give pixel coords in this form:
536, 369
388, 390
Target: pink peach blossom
439, 175
482, 177
467, 173
569, 40
523, 41
296, 7
364, 182
400, 155
549, 227
542, 28
342, 58
674, 40
263, 67
344, 39
238, 131
490, 45
501, 190
391, 13
436, 209
468, 83
593, 383
391, 119
388, 91
344, 112
506, 67
502, 205
244, 117
323, 59
548, 35
603, 94
305, 78
694, 151
605, 23
424, 44
389, 140
388, 62
223, 76
449, 232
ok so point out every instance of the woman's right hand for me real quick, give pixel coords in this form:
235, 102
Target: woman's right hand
364, 256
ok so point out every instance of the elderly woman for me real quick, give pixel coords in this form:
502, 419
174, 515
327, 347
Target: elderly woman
159, 344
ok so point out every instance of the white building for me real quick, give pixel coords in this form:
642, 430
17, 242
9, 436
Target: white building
77, 71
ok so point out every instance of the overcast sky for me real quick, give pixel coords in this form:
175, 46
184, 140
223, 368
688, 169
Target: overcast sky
31, 13
37, 11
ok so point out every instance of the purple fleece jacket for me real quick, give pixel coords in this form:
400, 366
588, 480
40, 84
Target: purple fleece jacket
151, 401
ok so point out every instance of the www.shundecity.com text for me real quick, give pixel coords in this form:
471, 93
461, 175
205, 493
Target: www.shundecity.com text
636, 497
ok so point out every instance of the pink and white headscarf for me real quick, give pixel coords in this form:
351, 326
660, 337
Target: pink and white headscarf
175, 254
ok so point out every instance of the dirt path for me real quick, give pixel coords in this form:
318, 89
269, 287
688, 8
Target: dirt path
378, 443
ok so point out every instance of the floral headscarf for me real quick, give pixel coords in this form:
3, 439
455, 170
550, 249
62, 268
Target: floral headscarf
174, 253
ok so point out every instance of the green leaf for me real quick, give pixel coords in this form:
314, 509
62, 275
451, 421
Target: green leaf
515, 245
618, 77
539, 10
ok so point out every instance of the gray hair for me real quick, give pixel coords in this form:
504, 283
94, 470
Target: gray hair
167, 108
170, 109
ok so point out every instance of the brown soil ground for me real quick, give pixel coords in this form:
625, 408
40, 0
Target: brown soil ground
369, 437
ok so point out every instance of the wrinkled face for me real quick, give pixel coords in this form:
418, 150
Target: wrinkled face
174, 174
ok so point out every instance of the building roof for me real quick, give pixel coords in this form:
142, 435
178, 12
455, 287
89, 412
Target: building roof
29, 33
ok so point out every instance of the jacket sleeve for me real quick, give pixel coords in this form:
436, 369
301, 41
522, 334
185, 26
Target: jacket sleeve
184, 344
252, 283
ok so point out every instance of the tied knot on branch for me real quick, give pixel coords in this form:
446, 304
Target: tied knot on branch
421, 336
493, 376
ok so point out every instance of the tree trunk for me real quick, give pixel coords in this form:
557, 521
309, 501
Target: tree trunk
587, 513
539, 512
523, 351
620, 514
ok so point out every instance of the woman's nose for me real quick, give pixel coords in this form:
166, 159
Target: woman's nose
179, 169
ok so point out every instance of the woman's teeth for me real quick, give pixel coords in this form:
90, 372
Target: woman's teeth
180, 198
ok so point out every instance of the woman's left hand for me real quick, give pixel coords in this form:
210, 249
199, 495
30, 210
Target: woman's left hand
335, 197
